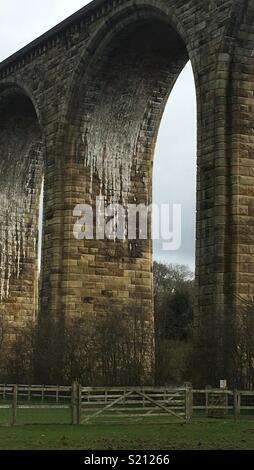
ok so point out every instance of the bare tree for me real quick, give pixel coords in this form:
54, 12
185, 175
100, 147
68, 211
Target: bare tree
125, 346
20, 364
114, 348
79, 351
244, 347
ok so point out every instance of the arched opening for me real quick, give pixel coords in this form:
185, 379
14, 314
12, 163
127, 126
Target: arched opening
118, 101
21, 172
175, 166
174, 186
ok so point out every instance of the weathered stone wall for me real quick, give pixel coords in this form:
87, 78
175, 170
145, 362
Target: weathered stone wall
99, 83
21, 169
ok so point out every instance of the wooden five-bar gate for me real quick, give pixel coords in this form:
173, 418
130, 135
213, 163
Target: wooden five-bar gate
132, 403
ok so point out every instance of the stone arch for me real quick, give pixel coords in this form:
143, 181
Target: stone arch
9, 85
22, 160
115, 22
134, 60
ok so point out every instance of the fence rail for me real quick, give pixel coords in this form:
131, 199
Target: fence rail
81, 405
42, 392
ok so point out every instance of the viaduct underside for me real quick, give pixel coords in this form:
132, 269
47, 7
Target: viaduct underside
80, 108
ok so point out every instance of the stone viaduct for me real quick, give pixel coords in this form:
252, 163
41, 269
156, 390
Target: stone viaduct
80, 107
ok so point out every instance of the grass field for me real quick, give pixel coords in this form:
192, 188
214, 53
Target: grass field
200, 434
37, 429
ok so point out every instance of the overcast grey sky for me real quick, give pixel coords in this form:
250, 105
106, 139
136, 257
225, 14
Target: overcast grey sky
175, 158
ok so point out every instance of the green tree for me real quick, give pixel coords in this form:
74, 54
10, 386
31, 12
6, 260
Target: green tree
174, 304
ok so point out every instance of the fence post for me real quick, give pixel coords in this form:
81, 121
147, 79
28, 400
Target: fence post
237, 404
42, 393
74, 403
226, 402
188, 402
79, 404
208, 388
14, 405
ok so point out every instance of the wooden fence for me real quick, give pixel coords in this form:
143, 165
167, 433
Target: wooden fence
84, 405
40, 393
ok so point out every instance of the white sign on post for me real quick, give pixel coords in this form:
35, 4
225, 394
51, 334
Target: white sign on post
223, 384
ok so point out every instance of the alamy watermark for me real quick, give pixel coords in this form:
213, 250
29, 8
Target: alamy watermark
130, 222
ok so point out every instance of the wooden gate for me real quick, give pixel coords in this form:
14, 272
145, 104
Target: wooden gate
217, 403
135, 404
